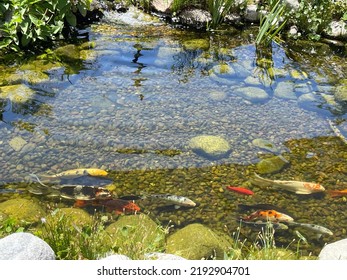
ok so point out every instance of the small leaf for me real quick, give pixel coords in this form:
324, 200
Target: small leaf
71, 19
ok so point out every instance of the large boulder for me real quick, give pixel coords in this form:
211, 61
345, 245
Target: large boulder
253, 94
334, 251
25, 246
210, 146
196, 242
23, 210
135, 235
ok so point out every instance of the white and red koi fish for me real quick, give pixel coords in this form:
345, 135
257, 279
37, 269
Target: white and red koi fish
297, 187
268, 215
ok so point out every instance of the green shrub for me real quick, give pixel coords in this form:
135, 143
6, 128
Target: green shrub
24, 22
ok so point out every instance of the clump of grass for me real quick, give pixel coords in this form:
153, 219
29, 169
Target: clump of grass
218, 10
70, 241
262, 248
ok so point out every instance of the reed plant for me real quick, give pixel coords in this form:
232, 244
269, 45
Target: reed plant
218, 10
270, 23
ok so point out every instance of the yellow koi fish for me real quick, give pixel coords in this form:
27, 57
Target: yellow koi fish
297, 187
75, 173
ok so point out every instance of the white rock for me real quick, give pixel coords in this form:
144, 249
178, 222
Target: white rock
334, 251
25, 246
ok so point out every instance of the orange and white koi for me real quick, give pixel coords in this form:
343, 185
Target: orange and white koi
297, 187
268, 215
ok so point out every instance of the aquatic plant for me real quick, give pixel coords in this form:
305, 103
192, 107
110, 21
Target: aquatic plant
270, 25
24, 22
218, 10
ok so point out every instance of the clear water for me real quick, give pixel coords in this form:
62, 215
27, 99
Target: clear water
136, 100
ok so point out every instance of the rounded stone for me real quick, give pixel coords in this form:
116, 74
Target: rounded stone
253, 94
25, 246
135, 231
75, 216
285, 90
22, 210
196, 242
209, 146
334, 251
271, 165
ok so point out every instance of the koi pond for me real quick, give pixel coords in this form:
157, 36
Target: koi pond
137, 99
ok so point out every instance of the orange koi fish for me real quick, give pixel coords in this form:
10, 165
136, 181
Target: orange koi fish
269, 215
240, 190
119, 206
337, 193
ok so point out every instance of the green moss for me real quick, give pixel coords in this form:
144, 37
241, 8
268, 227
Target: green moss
135, 235
271, 165
16, 93
23, 210
196, 44
196, 242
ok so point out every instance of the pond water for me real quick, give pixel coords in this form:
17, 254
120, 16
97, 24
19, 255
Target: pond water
131, 102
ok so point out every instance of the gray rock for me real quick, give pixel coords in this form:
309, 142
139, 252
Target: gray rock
334, 251
162, 256
285, 90
292, 4
163, 6
253, 94
194, 17
341, 93
25, 246
209, 146
337, 29
251, 13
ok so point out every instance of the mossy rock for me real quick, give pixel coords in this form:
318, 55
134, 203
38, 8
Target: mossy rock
209, 146
16, 93
24, 211
69, 53
271, 165
341, 93
196, 242
196, 44
135, 235
74, 216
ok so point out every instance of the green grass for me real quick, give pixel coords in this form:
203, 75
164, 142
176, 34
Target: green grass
72, 241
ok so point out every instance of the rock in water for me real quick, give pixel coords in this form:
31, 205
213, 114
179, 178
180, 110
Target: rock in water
253, 94
271, 165
25, 246
266, 145
209, 146
17, 143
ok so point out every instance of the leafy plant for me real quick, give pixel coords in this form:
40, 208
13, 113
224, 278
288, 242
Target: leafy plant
8, 226
24, 22
218, 10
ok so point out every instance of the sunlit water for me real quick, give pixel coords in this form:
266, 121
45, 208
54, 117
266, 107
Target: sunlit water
140, 96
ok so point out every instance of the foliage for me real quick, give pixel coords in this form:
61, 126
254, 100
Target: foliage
24, 22
270, 23
313, 16
8, 226
71, 241
218, 10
